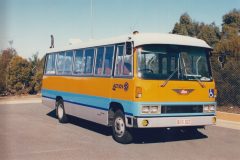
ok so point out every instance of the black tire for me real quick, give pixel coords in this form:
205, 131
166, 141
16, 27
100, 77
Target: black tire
121, 133
60, 111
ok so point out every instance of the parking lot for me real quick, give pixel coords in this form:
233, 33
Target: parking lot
31, 131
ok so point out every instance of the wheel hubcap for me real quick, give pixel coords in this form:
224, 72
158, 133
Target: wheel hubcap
119, 126
60, 111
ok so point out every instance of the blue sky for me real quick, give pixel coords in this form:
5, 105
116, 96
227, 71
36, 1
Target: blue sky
29, 23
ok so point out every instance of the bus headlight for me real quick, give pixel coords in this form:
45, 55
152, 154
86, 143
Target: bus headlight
154, 109
145, 109
205, 108
150, 109
209, 108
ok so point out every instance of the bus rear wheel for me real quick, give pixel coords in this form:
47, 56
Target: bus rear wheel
62, 117
121, 133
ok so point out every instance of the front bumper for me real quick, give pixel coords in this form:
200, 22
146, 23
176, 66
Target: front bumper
158, 122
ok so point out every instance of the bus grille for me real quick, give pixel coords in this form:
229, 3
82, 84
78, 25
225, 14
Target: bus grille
181, 109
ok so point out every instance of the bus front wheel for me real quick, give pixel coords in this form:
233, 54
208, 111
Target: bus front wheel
121, 133
62, 117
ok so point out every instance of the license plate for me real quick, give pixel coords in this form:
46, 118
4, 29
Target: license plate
183, 122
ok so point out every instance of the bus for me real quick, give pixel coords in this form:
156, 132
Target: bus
146, 80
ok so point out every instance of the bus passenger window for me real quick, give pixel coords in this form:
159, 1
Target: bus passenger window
108, 61
68, 63
50, 64
127, 67
89, 57
99, 61
79, 62
123, 66
60, 62
119, 60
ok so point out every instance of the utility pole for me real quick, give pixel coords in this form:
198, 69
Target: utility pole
11, 47
91, 19
10, 43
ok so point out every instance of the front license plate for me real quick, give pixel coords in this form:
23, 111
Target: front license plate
183, 122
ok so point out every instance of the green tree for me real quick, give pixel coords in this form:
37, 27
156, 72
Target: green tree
232, 18
210, 33
231, 24
230, 38
230, 46
227, 78
5, 58
36, 73
19, 76
2, 78
185, 26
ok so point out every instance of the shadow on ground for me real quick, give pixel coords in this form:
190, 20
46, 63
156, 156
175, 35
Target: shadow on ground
156, 135
166, 135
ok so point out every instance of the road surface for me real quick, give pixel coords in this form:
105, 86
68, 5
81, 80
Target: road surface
29, 131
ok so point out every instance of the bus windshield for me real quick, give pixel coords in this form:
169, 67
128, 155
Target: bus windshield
173, 62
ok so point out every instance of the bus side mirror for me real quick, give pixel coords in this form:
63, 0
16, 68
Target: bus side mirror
128, 48
220, 59
210, 54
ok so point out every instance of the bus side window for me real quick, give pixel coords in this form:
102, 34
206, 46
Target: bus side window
50, 64
108, 61
119, 60
89, 57
127, 66
99, 61
79, 62
60, 62
68, 63
123, 66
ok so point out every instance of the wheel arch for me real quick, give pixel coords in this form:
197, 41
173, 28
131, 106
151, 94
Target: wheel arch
113, 107
58, 98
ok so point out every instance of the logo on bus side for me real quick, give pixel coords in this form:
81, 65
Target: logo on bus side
124, 86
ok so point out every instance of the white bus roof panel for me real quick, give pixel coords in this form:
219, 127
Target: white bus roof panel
151, 38
139, 39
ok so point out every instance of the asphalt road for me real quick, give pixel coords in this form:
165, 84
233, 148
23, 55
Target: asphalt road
30, 131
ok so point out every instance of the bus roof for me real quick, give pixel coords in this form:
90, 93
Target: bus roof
139, 39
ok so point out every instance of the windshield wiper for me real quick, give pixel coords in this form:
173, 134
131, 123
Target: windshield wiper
196, 78
192, 75
184, 67
167, 80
